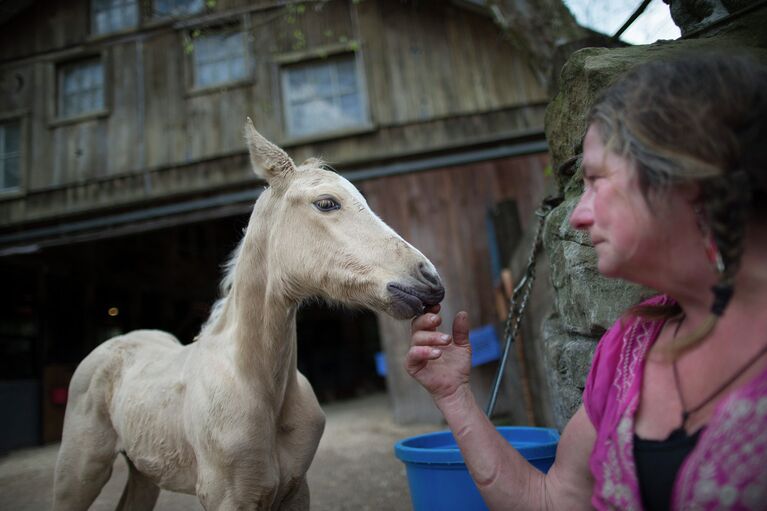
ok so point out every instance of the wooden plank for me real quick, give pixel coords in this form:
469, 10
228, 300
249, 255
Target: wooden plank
442, 212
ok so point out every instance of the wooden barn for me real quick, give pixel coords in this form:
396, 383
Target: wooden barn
125, 182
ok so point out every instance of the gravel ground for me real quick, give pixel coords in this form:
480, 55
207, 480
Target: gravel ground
354, 469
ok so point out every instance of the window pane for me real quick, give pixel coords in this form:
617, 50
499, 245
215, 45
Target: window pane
9, 154
235, 70
85, 102
11, 172
102, 22
319, 77
298, 88
97, 76
347, 76
97, 99
85, 76
323, 96
113, 15
12, 138
233, 43
82, 88
205, 75
70, 83
177, 7
219, 58
351, 109
219, 72
68, 106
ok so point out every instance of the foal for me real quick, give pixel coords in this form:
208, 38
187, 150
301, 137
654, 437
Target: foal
229, 417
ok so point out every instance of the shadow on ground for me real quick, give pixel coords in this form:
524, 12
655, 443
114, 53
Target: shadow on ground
354, 469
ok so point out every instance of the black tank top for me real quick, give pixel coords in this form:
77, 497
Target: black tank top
657, 463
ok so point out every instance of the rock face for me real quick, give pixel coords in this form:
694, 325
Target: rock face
692, 15
585, 303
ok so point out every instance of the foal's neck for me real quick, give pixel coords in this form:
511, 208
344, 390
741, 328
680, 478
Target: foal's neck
258, 323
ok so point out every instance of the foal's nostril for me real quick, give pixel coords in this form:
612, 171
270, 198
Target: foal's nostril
428, 275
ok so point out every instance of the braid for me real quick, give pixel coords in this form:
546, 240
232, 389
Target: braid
727, 202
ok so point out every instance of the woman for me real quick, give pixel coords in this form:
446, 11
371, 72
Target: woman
674, 413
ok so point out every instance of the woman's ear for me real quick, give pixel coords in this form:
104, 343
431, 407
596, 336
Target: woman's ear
691, 193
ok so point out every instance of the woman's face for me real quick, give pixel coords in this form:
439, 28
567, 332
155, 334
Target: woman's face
631, 241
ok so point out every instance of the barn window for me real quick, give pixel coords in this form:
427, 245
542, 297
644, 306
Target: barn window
81, 88
10, 149
113, 15
323, 96
219, 57
177, 7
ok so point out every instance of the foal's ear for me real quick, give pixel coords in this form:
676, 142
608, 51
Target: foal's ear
269, 161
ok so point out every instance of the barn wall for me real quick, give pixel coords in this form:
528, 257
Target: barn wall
444, 214
436, 77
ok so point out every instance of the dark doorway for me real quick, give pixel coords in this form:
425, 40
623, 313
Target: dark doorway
58, 304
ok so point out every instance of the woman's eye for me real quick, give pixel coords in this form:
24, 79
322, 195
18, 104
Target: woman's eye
590, 179
327, 204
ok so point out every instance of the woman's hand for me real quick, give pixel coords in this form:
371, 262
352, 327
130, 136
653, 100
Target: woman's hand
439, 362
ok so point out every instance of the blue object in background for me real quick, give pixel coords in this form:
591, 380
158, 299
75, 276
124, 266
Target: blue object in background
484, 345
437, 475
380, 363
484, 348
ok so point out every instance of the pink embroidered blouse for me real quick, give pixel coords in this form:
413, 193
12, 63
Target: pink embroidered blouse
728, 467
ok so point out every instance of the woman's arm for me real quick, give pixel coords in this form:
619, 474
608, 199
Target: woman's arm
504, 478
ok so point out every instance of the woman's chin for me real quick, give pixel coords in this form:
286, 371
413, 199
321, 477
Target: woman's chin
606, 269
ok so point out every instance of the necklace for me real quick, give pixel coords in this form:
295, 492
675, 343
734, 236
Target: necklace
686, 413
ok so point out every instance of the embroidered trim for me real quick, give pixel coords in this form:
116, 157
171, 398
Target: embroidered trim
619, 475
727, 468
633, 347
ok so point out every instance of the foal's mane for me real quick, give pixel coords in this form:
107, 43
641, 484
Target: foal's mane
224, 287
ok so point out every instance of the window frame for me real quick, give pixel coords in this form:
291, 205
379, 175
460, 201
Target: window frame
191, 59
319, 55
57, 115
95, 34
155, 15
21, 118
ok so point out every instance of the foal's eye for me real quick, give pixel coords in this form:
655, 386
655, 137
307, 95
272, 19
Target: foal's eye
327, 204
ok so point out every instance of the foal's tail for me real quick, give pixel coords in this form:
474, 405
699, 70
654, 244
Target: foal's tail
140, 494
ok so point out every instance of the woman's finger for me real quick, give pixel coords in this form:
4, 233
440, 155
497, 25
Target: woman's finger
418, 355
430, 338
428, 321
461, 329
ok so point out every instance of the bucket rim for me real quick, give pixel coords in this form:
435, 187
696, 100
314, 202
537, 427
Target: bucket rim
539, 443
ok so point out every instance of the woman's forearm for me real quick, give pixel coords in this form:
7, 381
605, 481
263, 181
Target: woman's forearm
504, 478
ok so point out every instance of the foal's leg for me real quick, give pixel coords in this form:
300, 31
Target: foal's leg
84, 464
298, 497
88, 442
140, 494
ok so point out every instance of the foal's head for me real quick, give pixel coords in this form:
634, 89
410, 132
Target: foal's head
321, 239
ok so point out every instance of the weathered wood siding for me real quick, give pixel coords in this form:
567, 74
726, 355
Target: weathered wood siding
444, 213
436, 76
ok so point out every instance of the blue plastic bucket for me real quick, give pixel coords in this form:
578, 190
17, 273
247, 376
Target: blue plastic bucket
437, 475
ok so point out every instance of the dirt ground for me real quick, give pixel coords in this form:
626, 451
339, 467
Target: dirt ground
355, 467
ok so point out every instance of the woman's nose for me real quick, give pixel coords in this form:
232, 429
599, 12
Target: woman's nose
581, 217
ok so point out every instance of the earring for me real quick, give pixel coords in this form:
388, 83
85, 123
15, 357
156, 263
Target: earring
713, 254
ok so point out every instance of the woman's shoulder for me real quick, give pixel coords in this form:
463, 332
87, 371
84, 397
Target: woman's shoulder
619, 354
633, 325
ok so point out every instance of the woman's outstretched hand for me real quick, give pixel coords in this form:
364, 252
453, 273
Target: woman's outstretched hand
439, 362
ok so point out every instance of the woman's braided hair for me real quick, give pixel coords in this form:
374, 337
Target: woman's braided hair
698, 118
